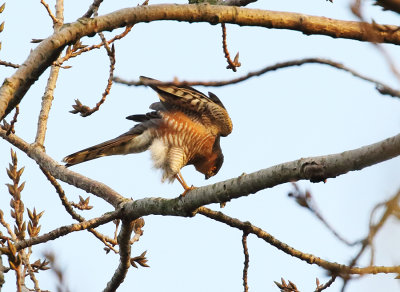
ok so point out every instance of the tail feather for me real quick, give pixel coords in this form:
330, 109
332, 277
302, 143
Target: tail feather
121, 145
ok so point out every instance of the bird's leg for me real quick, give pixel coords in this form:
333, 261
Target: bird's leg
183, 183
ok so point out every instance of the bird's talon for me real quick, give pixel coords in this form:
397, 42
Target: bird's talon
187, 190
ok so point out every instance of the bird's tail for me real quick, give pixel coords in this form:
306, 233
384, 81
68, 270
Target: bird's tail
121, 145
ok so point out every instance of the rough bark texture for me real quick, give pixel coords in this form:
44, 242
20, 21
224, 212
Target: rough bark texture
315, 169
15, 87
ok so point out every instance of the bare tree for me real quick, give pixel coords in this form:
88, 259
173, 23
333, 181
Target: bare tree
122, 226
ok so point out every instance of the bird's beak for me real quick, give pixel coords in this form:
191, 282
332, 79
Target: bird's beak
207, 176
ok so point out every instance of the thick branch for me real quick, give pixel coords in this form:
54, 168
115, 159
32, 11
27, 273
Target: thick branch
15, 87
62, 173
315, 169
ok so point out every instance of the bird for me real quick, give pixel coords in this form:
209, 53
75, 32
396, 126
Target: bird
183, 128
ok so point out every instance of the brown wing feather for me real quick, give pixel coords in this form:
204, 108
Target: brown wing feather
189, 99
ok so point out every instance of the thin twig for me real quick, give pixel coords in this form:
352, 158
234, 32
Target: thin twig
326, 285
85, 110
93, 7
373, 229
28, 267
246, 261
7, 226
286, 287
81, 50
334, 268
64, 230
306, 200
8, 64
109, 242
55, 20
4, 238
373, 30
13, 121
116, 222
381, 87
2, 271
239, 3
231, 64
391, 206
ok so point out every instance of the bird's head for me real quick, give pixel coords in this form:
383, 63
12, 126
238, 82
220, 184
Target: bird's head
214, 166
211, 164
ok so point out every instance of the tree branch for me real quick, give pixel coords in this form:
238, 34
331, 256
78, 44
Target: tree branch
315, 169
62, 173
93, 7
2, 268
8, 64
124, 253
246, 261
381, 87
103, 238
235, 2
64, 230
390, 205
48, 95
334, 268
47, 100
305, 199
15, 87
326, 285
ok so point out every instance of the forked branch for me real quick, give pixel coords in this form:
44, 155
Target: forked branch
334, 268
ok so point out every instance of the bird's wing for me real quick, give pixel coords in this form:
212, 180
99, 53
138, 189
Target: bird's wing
209, 109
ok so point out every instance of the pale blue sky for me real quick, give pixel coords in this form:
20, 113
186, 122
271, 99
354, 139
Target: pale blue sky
282, 116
